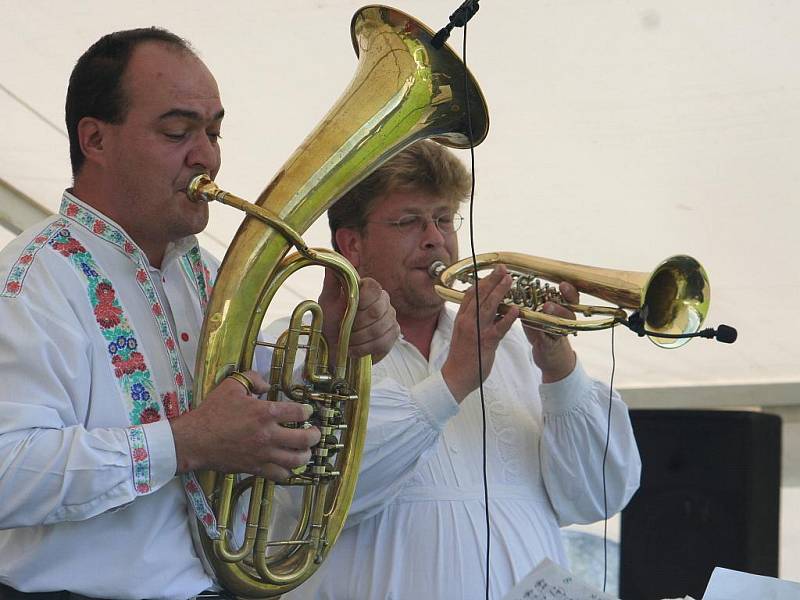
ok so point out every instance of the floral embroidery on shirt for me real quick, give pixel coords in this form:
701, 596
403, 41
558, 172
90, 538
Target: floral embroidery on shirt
133, 376
197, 272
16, 276
141, 459
172, 402
97, 225
199, 504
107, 231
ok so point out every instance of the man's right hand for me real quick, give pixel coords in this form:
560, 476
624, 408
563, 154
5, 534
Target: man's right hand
233, 431
460, 370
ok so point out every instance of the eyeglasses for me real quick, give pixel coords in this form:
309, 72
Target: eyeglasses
418, 223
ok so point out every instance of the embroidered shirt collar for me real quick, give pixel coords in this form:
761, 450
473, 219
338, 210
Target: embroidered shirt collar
105, 228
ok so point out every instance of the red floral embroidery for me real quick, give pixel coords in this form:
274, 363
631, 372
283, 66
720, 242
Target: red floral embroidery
72, 210
191, 487
128, 247
142, 488
26, 259
157, 310
179, 379
71, 246
98, 227
130, 366
170, 343
105, 312
170, 403
150, 415
208, 519
105, 293
39, 239
107, 315
139, 454
13, 287
207, 276
141, 276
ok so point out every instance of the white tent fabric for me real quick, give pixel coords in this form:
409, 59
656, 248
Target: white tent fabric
622, 132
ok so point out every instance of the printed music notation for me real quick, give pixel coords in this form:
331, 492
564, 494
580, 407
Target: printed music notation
548, 581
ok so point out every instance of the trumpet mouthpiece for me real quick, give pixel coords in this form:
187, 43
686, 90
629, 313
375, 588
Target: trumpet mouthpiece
436, 269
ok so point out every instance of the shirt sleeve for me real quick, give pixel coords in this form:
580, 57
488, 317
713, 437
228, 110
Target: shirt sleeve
577, 422
403, 428
52, 468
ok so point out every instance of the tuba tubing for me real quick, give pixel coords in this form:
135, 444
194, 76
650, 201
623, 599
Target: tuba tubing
403, 91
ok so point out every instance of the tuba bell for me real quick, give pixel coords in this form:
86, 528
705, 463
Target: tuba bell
403, 91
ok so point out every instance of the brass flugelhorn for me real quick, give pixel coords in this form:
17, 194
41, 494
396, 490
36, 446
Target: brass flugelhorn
404, 90
673, 299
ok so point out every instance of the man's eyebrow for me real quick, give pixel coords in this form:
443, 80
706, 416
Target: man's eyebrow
191, 115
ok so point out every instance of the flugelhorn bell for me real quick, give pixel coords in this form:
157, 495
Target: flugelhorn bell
672, 299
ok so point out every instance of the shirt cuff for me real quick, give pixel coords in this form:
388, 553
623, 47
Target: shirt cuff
153, 458
562, 396
434, 399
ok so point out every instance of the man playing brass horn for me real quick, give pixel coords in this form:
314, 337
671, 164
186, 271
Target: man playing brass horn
416, 527
101, 309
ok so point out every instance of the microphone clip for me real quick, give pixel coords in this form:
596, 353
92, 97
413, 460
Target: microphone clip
459, 18
635, 323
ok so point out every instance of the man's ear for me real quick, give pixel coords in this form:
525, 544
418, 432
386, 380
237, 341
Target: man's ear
91, 136
349, 242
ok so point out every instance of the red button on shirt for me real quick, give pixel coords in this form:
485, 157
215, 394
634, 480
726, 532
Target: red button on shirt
185, 336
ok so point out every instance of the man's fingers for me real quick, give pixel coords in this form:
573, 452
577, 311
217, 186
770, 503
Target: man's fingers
504, 323
295, 438
373, 341
260, 386
553, 308
372, 308
369, 290
569, 292
275, 473
330, 283
289, 458
288, 412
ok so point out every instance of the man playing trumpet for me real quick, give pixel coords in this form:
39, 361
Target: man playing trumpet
419, 505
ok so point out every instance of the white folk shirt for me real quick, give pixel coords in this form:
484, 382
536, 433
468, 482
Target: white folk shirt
96, 352
417, 525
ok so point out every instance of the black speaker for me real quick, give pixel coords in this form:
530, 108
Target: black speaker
709, 496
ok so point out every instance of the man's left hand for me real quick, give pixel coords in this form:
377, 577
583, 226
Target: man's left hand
553, 353
375, 329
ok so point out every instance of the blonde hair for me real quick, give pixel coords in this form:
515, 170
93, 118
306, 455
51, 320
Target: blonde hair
424, 166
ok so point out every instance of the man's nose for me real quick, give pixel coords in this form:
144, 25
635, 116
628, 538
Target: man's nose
431, 234
204, 154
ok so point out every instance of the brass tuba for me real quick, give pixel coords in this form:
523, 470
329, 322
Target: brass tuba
404, 90
673, 299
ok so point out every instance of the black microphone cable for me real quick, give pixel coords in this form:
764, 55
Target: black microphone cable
477, 303
605, 458
459, 18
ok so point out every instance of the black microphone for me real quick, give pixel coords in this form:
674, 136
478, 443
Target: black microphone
726, 334
723, 333
459, 18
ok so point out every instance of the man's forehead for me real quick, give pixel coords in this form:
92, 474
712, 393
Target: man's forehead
160, 72
414, 201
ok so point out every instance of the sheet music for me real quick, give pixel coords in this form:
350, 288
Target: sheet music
548, 581
727, 584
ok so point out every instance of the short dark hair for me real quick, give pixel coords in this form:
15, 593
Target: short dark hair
424, 166
95, 86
